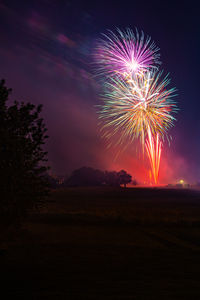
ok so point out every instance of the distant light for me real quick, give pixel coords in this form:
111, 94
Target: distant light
181, 181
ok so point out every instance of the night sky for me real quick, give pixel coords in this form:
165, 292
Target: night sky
45, 56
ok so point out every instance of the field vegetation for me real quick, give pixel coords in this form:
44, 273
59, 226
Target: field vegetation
106, 243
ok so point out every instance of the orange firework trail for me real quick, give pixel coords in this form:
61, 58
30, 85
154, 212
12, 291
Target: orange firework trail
154, 148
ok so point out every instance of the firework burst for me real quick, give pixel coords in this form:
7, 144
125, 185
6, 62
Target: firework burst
131, 107
126, 52
137, 103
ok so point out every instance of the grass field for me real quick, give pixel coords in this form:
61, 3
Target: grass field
105, 243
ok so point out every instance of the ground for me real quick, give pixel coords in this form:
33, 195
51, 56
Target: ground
106, 243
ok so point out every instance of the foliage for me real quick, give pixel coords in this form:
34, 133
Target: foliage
134, 182
124, 178
86, 176
22, 135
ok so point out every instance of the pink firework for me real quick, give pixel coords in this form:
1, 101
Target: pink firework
126, 53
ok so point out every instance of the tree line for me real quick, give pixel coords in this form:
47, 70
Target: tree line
87, 176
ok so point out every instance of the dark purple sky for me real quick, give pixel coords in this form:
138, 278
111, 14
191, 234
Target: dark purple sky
45, 56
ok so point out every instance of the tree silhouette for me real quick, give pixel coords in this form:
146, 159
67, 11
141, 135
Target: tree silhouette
124, 178
134, 182
111, 178
22, 135
85, 176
